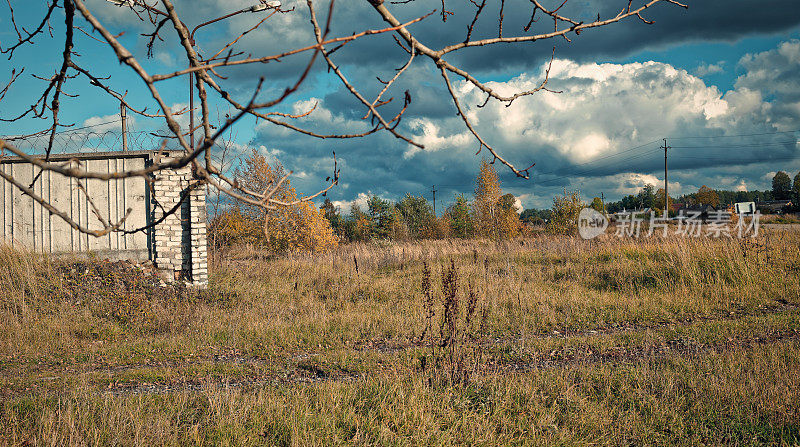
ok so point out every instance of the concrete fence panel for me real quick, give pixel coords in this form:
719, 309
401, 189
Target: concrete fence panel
177, 245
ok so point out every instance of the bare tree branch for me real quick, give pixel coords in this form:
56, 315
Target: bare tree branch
163, 22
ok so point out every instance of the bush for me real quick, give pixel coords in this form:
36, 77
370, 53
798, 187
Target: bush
460, 218
231, 227
564, 216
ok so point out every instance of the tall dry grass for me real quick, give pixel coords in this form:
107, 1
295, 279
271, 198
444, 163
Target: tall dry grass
573, 346
260, 303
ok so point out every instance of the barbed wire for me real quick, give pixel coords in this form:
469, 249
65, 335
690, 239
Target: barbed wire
87, 142
94, 138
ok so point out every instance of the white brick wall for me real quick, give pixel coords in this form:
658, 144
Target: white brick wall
180, 240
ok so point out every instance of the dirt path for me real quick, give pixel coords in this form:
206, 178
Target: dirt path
620, 355
302, 369
385, 346
682, 348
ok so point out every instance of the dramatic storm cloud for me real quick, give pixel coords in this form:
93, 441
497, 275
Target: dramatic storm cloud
720, 80
604, 111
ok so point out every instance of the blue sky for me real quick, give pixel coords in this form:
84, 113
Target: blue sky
721, 81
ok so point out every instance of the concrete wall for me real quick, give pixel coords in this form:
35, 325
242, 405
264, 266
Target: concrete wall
177, 245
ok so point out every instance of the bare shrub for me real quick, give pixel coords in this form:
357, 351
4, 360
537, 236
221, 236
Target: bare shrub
453, 358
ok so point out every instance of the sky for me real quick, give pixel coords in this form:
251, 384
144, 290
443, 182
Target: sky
720, 81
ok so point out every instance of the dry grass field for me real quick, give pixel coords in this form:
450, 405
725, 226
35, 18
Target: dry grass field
525, 342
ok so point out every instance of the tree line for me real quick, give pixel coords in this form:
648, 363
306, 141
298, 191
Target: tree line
303, 227
783, 188
489, 213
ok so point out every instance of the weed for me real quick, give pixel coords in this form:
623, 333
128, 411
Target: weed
427, 296
453, 357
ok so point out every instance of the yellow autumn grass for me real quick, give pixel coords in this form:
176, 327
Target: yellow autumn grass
610, 341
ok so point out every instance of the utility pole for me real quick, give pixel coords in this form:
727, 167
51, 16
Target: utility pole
124, 117
666, 181
433, 188
603, 201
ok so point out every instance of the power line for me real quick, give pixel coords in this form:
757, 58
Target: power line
735, 136
704, 146
739, 146
603, 158
589, 171
763, 160
592, 170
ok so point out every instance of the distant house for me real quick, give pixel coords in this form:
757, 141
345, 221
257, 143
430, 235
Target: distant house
773, 206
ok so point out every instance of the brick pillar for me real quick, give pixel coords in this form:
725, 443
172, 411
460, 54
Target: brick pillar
199, 245
180, 249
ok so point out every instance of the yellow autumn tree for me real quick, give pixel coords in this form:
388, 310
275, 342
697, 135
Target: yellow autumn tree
233, 227
494, 214
707, 196
299, 227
